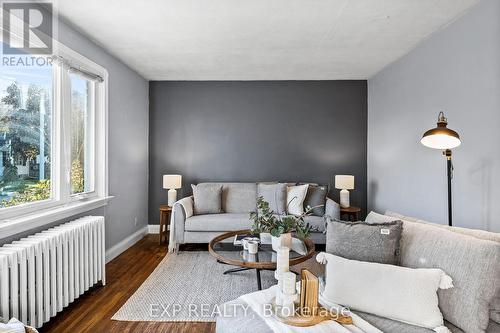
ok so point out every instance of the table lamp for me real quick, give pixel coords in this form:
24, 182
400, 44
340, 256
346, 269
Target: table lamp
444, 139
172, 182
344, 183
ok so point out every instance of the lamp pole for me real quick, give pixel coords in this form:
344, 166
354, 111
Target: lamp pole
444, 139
449, 171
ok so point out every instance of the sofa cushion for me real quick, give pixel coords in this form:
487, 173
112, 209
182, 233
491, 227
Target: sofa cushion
373, 217
238, 317
218, 222
389, 325
481, 234
317, 222
275, 195
473, 264
237, 197
316, 197
377, 242
207, 199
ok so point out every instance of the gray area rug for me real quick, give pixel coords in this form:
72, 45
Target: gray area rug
189, 286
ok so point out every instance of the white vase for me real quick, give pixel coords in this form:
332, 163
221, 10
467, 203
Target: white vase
284, 240
265, 238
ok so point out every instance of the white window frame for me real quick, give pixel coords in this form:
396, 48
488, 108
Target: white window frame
62, 203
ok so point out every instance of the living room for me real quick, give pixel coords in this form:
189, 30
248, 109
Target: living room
263, 166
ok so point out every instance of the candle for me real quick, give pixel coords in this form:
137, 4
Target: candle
282, 261
287, 309
288, 283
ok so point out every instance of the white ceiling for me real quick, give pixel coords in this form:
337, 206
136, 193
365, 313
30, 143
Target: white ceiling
259, 39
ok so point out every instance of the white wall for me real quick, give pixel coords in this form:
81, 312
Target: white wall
128, 144
457, 70
128, 139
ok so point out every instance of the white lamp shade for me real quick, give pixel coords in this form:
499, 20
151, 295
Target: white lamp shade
440, 141
344, 182
172, 181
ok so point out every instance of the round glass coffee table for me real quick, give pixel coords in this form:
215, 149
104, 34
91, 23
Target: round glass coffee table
224, 250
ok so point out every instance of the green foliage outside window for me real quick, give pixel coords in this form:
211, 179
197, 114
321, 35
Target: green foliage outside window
77, 177
36, 192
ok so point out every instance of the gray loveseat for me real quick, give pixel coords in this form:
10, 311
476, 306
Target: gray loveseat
238, 200
470, 257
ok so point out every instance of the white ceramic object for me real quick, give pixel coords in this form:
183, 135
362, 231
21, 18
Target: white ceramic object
265, 238
288, 283
282, 262
253, 246
284, 240
245, 241
172, 197
344, 199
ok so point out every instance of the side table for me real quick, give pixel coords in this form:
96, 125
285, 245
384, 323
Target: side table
351, 212
165, 212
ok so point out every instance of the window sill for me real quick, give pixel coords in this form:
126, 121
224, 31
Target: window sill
10, 227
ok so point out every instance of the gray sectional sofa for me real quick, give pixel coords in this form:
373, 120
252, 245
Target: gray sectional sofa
238, 200
470, 257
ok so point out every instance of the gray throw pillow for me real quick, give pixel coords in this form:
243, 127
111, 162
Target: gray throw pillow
207, 199
377, 242
275, 195
316, 197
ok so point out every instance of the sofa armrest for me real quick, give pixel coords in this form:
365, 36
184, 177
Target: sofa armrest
181, 210
332, 209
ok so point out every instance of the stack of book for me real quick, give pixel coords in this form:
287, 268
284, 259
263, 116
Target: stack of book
309, 288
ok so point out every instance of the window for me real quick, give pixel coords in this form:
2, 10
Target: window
52, 134
25, 135
81, 134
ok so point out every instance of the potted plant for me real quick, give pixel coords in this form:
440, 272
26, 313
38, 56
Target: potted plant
280, 227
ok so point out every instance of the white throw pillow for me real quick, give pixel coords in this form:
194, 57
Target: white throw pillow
399, 293
13, 326
374, 217
295, 196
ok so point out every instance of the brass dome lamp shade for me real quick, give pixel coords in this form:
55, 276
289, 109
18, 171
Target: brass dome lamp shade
441, 137
445, 139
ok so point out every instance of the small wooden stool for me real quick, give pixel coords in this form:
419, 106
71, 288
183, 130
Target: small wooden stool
165, 213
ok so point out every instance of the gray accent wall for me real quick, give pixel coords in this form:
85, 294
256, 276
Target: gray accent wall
257, 131
127, 142
457, 70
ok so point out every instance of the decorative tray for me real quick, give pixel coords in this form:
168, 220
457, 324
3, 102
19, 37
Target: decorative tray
304, 320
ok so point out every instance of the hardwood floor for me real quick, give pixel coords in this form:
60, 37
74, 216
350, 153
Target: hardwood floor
92, 312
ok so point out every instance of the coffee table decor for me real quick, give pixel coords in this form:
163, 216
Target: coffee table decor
225, 251
305, 310
331, 318
279, 226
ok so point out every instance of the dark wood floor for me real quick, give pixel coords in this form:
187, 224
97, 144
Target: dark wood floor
92, 312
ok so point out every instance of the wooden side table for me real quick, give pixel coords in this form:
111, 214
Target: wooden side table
165, 213
351, 212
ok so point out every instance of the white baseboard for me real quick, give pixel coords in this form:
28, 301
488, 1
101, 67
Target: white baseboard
117, 249
153, 229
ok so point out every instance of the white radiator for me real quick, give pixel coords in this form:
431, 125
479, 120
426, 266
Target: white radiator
42, 273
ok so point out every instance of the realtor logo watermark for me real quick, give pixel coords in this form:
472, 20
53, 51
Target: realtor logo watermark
27, 33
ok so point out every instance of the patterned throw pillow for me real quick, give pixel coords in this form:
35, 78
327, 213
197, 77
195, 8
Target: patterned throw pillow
295, 196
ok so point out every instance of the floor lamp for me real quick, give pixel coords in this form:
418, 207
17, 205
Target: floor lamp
444, 139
